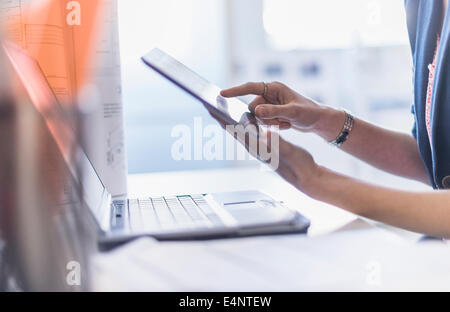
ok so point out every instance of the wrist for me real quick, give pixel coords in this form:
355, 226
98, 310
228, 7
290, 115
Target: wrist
329, 123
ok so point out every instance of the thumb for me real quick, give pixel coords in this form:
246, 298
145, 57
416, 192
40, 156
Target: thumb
269, 111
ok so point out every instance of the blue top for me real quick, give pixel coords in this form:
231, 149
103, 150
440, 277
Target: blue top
425, 24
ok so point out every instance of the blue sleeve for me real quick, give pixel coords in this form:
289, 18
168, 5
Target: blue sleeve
412, 8
414, 129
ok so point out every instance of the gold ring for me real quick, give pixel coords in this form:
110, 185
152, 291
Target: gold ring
265, 90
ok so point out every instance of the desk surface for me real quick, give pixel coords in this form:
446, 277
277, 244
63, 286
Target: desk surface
359, 256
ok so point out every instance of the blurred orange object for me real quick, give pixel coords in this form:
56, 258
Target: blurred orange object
61, 35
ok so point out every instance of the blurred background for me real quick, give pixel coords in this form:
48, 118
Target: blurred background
350, 53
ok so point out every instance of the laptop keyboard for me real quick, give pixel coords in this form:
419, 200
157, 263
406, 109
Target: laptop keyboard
170, 213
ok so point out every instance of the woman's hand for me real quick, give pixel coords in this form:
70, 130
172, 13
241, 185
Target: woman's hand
286, 108
297, 166
293, 163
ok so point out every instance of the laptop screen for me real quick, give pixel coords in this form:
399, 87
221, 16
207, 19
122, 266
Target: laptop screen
45, 102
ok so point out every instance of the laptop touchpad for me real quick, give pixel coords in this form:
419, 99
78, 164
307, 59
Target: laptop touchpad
264, 204
261, 211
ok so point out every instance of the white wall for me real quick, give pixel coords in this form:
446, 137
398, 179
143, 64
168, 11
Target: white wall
192, 31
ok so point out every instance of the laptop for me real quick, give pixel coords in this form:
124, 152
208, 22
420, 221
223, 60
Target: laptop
182, 217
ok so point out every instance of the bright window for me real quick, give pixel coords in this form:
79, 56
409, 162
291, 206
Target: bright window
305, 24
153, 106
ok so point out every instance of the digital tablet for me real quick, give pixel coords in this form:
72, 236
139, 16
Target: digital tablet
230, 110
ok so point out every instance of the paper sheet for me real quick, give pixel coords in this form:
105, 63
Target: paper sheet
77, 46
106, 144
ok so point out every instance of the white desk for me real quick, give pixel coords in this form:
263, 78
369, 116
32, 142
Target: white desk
360, 257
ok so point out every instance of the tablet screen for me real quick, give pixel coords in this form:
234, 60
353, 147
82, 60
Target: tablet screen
232, 110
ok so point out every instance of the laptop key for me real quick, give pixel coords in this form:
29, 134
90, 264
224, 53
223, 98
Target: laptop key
191, 208
178, 211
135, 217
163, 214
149, 219
145, 203
203, 204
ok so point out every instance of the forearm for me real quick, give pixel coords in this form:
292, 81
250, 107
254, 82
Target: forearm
422, 212
388, 150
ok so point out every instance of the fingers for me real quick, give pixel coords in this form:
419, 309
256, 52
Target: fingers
257, 101
255, 88
283, 125
267, 111
283, 165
